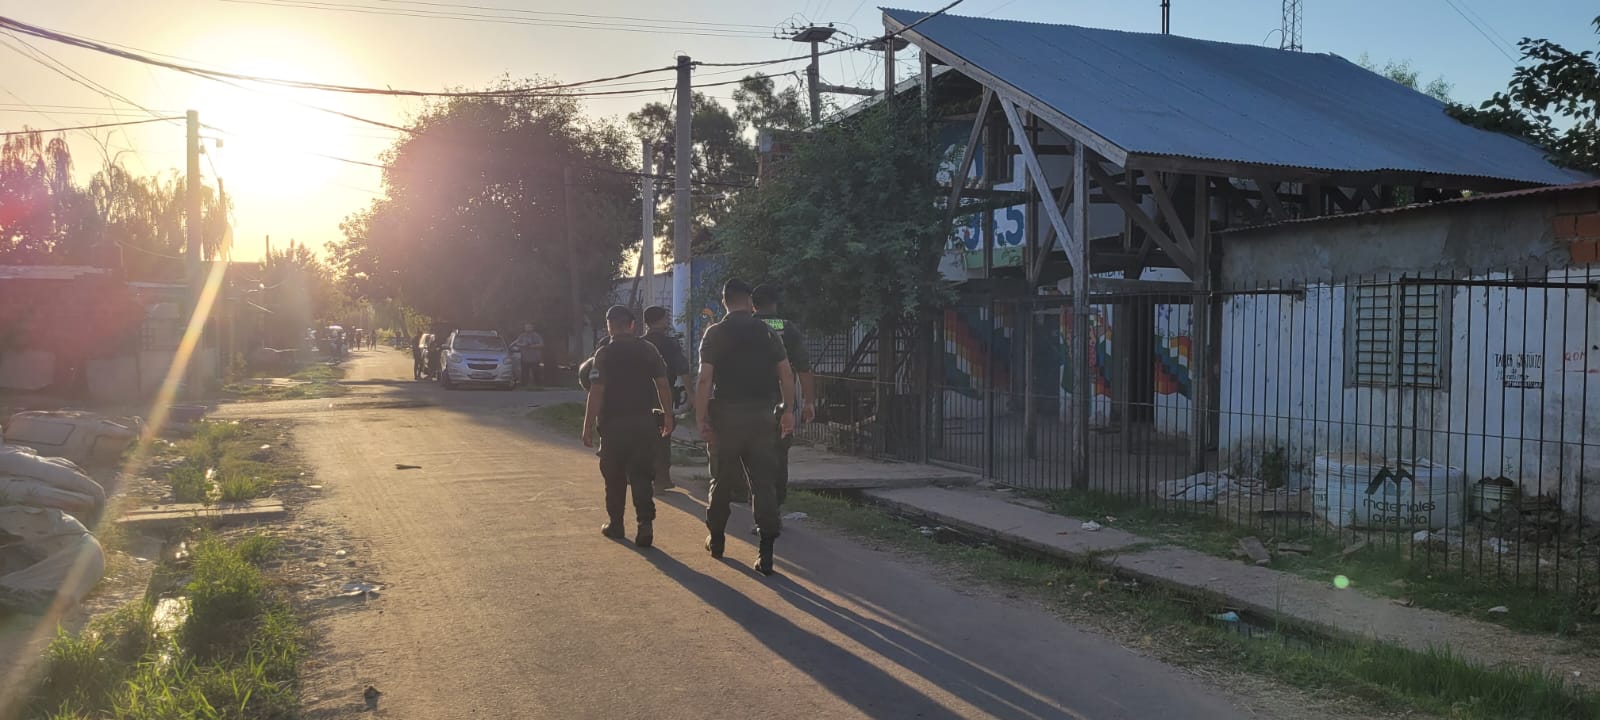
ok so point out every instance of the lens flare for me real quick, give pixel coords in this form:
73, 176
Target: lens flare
1341, 582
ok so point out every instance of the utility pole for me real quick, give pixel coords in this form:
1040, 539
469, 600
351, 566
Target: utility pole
683, 168
194, 228
578, 345
1166, 17
647, 222
814, 35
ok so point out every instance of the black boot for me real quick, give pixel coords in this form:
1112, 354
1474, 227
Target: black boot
715, 543
645, 536
764, 560
613, 530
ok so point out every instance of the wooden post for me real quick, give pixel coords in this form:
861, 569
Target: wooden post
1082, 385
1030, 231
1203, 358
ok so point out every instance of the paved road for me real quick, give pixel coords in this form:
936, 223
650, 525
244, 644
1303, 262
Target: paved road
503, 600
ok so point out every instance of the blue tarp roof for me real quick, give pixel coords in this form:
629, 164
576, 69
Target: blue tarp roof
1167, 95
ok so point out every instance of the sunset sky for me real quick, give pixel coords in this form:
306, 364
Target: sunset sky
272, 157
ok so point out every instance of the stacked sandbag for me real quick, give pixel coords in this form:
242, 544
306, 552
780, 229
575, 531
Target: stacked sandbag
47, 482
45, 554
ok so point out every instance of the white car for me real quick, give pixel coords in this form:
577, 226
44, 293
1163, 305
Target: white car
477, 357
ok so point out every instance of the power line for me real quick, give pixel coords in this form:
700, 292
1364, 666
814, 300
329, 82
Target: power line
843, 48
568, 14
89, 127
1480, 30
496, 19
1503, 40
50, 63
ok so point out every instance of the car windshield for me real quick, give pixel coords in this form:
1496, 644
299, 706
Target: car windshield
478, 343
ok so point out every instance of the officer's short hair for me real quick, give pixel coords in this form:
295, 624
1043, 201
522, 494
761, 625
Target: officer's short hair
619, 314
735, 290
653, 314
765, 296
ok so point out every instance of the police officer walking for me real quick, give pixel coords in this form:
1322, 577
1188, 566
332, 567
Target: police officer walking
658, 334
742, 361
630, 382
766, 298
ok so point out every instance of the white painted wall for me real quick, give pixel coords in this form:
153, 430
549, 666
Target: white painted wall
1283, 382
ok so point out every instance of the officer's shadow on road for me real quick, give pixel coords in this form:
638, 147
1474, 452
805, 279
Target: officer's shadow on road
853, 679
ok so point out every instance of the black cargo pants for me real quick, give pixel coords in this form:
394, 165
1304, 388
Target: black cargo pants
627, 461
745, 452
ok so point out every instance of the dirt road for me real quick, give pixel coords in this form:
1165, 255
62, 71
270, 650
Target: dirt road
502, 600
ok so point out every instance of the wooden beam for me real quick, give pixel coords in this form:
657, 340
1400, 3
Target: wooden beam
1234, 169
1143, 219
1366, 196
1083, 384
1269, 199
1118, 285
1072, 128
1063, 199
1045, 149
958, 181
1204, 351
1236, 198
1073, 244
1175, 224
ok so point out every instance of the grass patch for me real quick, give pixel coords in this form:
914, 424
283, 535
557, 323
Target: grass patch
317, 380
565, 418
229, 462
1388, 567
1385, 677
235, 656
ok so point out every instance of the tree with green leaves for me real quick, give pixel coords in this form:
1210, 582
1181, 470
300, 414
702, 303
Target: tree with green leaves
1553, 100
473, 226
848, 223
1404, 73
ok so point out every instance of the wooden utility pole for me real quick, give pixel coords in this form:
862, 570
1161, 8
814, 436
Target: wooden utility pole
579, 346
194, 226
647, 222
1083, 337
683, 168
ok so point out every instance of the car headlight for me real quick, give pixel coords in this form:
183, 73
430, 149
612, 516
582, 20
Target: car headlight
453, 357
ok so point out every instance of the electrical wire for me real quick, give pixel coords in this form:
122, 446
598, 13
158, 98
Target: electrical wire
1480, 30
493, 19
570, 14
89, 127
844, 48
50, 63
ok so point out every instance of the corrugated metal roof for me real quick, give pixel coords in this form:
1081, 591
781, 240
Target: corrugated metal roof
1476, 199
1168, 95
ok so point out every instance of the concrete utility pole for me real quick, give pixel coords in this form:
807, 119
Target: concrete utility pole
647, 222
814, 35
683, 168
580, 346
194, 228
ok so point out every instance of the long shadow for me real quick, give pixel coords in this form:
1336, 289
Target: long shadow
867, 687
960, 677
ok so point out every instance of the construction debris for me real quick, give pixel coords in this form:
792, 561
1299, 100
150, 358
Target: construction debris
1257, 552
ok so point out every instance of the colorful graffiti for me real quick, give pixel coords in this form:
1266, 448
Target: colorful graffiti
976, 342
1172, 365
1099, 360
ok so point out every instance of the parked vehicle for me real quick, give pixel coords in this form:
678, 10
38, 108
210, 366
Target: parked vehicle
477, 357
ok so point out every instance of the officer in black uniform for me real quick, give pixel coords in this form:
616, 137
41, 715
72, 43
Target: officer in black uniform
742, 360
766, 298
658, 333
629, 384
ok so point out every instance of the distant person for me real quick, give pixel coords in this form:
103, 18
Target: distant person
743, 363
530, 346
418, 370
629, 385
659, 334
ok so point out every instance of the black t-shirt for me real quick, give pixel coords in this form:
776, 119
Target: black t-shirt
628, 368
745, 353
671, 353
794, 341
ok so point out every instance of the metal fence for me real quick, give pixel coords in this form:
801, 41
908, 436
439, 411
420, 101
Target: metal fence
1457, 419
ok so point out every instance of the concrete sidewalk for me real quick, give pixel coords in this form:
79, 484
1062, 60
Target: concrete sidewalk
1258, 590
813, 469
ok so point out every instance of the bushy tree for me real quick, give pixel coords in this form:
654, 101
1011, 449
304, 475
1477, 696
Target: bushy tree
1553, 100
848, 223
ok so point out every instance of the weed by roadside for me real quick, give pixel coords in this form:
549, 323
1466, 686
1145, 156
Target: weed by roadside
317, 380
565, 418
1388, 565
1385, 677
235, 656
228, 462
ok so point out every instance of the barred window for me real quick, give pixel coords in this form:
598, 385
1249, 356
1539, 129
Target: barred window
1395, 336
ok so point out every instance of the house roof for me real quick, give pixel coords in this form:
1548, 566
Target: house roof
1172, 96
1470, 200
48, 272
